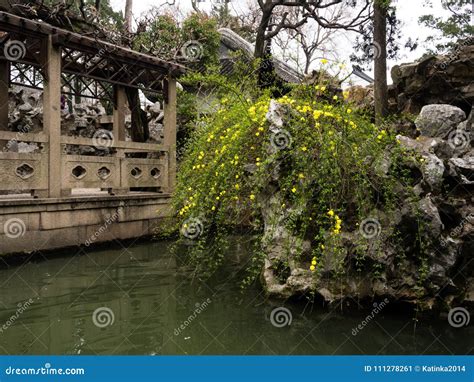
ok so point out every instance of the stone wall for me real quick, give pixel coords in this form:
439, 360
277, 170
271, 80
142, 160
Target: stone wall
48, 224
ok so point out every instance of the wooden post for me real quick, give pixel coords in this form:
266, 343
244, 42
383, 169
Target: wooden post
170, 130
52, 113
4, 84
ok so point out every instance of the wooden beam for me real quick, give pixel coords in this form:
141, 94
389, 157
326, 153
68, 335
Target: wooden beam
170, 131
52, 113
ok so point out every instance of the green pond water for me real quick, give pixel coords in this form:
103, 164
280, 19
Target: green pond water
142, 300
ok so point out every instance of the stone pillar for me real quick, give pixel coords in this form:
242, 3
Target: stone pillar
4, 84
170, 130
120, 102
52, 113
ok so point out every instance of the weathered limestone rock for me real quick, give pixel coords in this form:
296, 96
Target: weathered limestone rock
436, 79
81, 119
439, 120
426, 273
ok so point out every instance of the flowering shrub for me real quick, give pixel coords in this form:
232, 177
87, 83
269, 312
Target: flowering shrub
323, 160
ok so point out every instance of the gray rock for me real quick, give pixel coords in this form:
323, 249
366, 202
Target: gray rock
463, 169
439, 120
430, 215
433, 171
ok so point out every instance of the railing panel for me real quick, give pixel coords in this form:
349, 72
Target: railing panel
144, 173
79, 171
133, 146
23, 137
23, 171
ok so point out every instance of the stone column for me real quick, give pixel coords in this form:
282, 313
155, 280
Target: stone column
52, 113
170, 131
4, 84
120, 103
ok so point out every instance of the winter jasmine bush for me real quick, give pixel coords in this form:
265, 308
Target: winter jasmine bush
325, 160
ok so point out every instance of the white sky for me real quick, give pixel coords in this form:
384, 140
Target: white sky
408, 11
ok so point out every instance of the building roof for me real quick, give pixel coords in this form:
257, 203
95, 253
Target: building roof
232, 42
86, 56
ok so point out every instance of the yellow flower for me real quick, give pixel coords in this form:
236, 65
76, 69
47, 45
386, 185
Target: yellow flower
301, 176
349, 111
312, 268
304, 148
237, 186
324, 61
335, 98
322, 246
252, 196
213, 208
323, 88
331, 213
293, 190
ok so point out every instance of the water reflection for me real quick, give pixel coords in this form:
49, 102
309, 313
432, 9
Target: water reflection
158, 309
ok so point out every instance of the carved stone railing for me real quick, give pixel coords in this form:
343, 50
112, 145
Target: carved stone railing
29, 172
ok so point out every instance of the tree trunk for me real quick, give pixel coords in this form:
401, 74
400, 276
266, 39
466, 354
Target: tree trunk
139, 124
380, 60
128, 16
139, 129
262, 29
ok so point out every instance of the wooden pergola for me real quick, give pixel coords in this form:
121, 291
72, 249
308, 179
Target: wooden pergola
37, 55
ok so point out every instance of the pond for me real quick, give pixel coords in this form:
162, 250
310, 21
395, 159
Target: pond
142, 300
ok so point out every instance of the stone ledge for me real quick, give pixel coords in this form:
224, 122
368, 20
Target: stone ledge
59, 223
